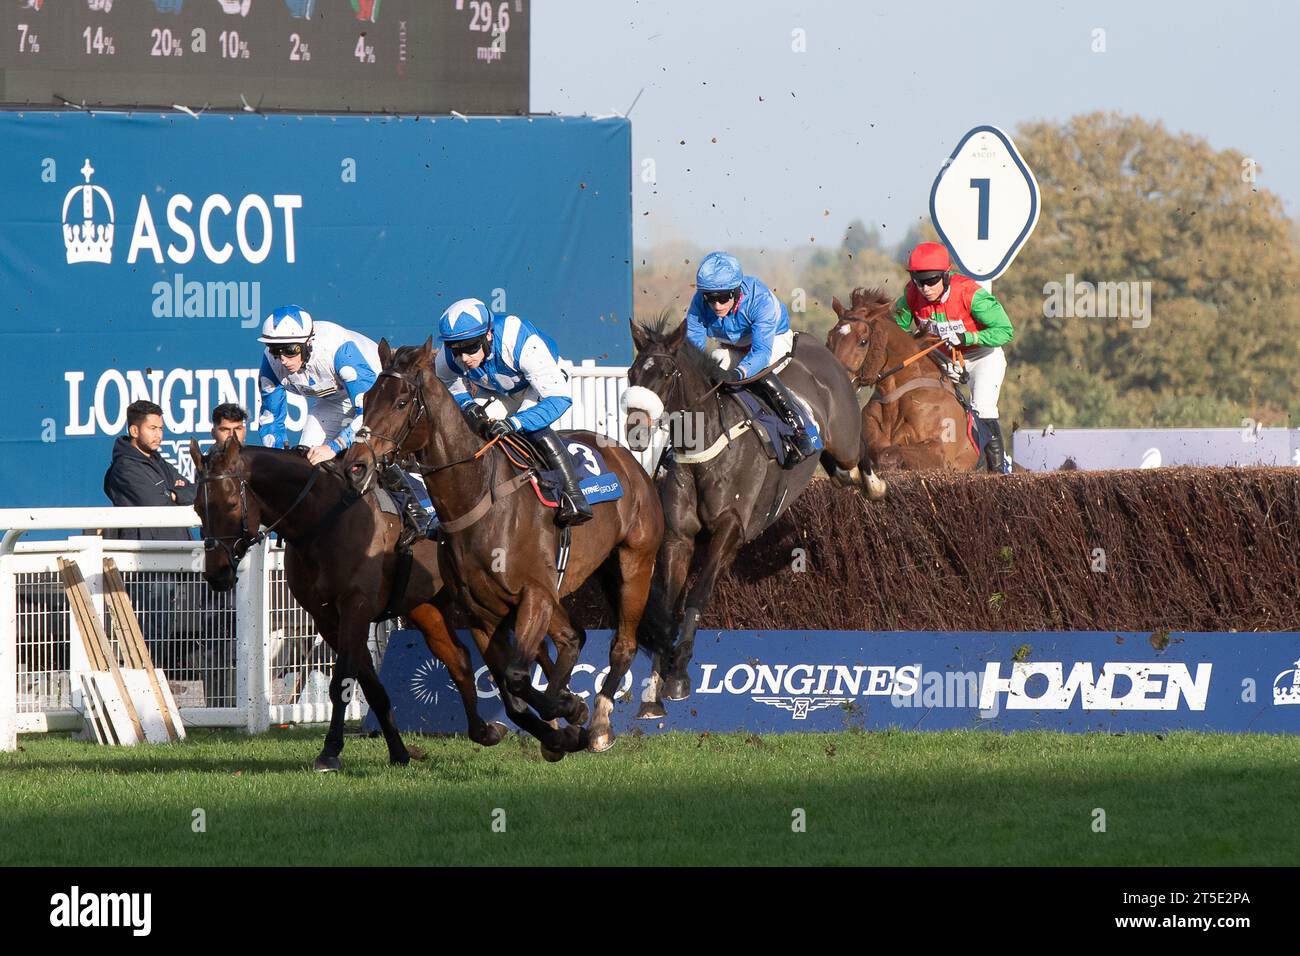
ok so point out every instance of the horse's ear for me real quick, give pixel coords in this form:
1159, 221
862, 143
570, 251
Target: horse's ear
837, 306
677, 335
639, 339
196, 456
426, 351
385, 353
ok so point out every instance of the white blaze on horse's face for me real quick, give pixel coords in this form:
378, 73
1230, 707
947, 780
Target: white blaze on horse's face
843, 329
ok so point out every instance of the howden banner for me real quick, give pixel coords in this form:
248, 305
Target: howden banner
139, 254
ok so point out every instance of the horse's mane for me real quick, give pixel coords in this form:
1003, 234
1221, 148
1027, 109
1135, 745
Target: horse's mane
660, 328
874, 302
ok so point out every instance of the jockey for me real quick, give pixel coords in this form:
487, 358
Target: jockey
515, 361
325, 362
754, 328
964, 315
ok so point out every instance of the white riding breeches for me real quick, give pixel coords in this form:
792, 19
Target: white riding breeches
324, 422
734, 353
986, 367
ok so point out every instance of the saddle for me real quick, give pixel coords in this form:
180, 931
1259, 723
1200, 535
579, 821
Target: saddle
596, 481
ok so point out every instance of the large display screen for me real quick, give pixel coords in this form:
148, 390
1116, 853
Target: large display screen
371, 56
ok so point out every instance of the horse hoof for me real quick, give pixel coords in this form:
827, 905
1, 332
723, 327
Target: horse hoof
326, 764
651, 710
488, 735
676, 688
601, 741
578, 713
552, 756
415, 753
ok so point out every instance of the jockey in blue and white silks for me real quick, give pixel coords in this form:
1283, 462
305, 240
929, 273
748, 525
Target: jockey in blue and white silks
753, 327
512, 359
328, 364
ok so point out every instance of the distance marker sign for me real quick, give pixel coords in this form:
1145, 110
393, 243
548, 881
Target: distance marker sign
984, 203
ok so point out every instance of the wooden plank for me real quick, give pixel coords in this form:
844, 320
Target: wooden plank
97, 724
92, 632
133, 639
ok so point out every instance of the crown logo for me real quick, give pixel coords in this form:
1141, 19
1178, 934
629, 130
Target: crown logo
1287, 692
88, 241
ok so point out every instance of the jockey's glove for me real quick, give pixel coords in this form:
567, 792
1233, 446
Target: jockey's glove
953, 337
727, 376
498, 429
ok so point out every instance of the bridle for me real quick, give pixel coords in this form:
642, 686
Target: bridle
245, 539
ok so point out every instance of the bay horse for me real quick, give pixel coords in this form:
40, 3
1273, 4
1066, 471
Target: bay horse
914, 419
500, 548
340, 562
731, 489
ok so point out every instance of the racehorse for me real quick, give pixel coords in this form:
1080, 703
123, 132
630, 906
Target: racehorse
501, 549
730, 489
914, 419
340, 564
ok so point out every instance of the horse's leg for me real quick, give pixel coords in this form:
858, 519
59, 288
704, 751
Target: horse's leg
344, 670
443, 645
724, 542
554, 741
675, 561
568, 638
636, 566
532, 615
380, 705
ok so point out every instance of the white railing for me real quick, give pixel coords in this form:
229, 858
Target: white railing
248, 658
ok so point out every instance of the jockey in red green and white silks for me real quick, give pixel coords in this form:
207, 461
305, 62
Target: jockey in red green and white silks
966, 316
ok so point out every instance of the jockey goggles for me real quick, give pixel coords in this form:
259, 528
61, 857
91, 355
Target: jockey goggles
280, 351
719, 296
924, 279
468, 346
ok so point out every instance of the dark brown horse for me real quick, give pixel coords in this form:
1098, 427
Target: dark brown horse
340, 562
913, 419
501, 544
719, 479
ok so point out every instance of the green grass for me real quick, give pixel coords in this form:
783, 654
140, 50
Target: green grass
965, 797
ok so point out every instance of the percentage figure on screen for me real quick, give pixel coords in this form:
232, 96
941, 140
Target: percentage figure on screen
365, 52
232, 47
98, 43
28, 42
165, 43
299, 52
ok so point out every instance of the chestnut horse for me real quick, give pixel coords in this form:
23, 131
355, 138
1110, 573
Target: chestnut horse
913, 420
340, 561
500, 547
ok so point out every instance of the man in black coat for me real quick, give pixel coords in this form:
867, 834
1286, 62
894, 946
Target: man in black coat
140, 477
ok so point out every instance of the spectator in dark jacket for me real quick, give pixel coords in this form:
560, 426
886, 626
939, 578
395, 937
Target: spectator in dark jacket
140, 476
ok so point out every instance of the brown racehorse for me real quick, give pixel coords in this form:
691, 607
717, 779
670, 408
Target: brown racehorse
340, 561
501, 546
913, 420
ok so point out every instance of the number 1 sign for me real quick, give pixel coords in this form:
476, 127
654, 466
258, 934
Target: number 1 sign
984, 203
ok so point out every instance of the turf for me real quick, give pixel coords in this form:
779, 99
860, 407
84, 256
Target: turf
967, 797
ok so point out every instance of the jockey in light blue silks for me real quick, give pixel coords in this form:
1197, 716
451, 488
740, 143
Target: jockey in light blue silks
753, 328
325, 362
512, 359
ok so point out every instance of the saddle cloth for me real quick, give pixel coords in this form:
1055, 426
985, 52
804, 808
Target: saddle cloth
774, 429
597, 482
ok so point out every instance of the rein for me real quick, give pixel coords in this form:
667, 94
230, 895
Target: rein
235, 553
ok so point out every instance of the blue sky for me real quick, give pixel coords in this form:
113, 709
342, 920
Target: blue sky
859, 124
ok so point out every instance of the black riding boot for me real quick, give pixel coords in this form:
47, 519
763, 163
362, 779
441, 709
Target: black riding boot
994, 456
415, 520
774, 390
573, 506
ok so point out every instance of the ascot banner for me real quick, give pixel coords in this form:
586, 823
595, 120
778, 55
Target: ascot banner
782, 681
139, 254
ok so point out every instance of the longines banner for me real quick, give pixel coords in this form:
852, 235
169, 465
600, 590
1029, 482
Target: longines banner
139, 254
781, 681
